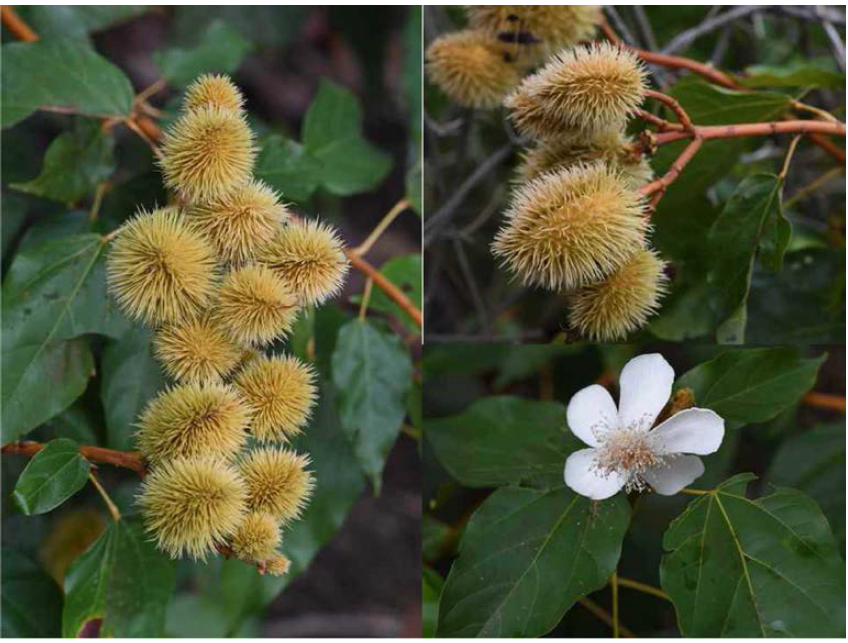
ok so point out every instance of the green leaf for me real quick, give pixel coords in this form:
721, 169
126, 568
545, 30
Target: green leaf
754, 384
403, 271
431, 589
814, 462
220, 49
332, 134
131, 377
526, 557
800, 73
53, 292
743, 568
121, 579
75, 163
372, 372
733, 240
53, 475
414, 187
503, 440
268, 26
69, 75
77, 21
286, 166
31, 600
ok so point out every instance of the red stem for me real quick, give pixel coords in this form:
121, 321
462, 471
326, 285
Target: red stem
126, 459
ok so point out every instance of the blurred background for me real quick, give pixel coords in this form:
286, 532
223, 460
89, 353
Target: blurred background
365, 580
803, 447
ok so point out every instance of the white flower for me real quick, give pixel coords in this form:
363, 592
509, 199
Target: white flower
626, 452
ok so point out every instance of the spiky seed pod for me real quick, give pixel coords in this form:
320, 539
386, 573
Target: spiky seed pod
281, 392
277, 565
609, 146
257, 537
159, 269
277, 482
543, 29
255, 306
215, 90
192, 505
472, 68
242, 222
196, 351
308, 255
193, 420
586, 88
621, 304
571, 228
207, 154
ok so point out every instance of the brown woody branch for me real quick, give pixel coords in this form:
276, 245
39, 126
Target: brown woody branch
126, 459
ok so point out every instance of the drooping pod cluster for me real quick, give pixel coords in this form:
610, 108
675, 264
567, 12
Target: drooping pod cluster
477, 67
577, 224
220, 276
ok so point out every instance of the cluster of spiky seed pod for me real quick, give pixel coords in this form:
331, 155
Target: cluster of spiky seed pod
220, 276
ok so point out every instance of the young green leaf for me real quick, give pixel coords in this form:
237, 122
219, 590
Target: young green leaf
287, 167
372, 372
526, 557
121, 580
53, 475
752, 385
749, 568
61, 73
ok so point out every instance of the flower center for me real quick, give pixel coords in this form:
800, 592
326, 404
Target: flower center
627, 452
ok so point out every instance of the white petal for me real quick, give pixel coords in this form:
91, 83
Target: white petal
645, 385
591, 412
585, 480
698, 431
670, 478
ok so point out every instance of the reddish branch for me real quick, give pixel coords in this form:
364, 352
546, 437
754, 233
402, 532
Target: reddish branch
392, 292
658, 186
710, 132
825, 401
126, 459
12, 21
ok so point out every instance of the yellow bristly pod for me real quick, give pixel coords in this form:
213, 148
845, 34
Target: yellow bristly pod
277, 482
216, 90
281, 393
193, 420
277, 565
255, 306
257, 537
242, 222
540, 29
159, 269
622, 303
309, 256
472, 68
591, 88
609, 146
196, 351
192, 505
571, 228
207, 154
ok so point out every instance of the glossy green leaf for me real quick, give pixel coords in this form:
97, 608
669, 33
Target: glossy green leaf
750, 568
801, 73
52, 293
286, 166
123, 580
31, 600
220, 49
814, 462
753, 209
372, 373
431, 589
754, 384
53, 475
526, 557
131, 377
332, 134
503, 440
70, 75
76, 162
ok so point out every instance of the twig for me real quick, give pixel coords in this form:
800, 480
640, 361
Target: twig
662, 124
392, 292
602, 614
833, 37
658, 186
642, 587
614, 588
788, 159
113, 508
385, 222
135, 126
712, 132
126, 459
644, 26
675, 106
695, 492
686, 38
814, 185
366, 298
825, 401
13, 22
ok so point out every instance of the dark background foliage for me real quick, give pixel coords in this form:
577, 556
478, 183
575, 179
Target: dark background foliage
780, 53
777, 451
364, 582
